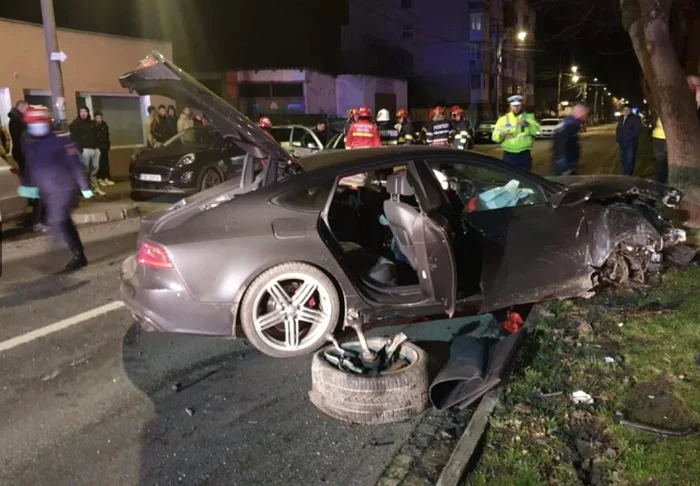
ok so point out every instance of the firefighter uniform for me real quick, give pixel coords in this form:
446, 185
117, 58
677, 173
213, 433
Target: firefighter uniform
516, 132
363, 134
437, 132
404, 127
388, 133
460, 132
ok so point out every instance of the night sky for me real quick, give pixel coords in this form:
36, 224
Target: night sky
220, 34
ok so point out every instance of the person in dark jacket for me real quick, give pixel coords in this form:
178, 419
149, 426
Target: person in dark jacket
84, 135
171, 122
104, 176
404, 127
627, 135
321, 131
54, 171
438, 129
566, 146
16, 128
159, 127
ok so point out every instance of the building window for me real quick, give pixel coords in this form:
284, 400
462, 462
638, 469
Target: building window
476, 81
123, 116
406, 3
475, 52
407, 31
476, 21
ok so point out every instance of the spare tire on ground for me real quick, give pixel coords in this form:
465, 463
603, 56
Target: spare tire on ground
371, 399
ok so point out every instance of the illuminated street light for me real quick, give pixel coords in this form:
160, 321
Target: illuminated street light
575, 78
522, 35
574, 69
595, 80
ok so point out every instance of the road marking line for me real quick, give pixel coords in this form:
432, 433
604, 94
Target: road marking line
59, 326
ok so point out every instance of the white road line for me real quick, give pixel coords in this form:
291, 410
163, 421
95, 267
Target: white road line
59, 326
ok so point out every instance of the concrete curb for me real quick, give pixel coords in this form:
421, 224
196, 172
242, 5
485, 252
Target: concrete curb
106, 216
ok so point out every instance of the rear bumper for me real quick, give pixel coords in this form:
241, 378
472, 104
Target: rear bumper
161, 303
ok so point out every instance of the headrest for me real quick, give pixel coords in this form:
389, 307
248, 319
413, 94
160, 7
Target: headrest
397, 184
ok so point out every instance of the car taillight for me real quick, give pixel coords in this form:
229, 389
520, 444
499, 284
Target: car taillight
153, 256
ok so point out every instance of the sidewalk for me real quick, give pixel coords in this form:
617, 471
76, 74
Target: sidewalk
115, 206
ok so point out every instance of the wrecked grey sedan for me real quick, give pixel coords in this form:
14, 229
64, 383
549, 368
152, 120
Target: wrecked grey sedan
351, 237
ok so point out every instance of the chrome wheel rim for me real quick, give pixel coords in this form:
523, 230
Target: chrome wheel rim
292, 312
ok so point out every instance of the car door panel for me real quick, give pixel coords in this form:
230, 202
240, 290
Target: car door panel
532, 253
435, 262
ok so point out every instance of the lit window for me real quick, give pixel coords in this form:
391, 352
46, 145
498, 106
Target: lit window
407, 31
476, 21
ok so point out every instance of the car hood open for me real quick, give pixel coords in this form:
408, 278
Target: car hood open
158, 76
606, 187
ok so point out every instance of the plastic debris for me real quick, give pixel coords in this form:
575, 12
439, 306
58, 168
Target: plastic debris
580, 397
513, 323
609, 360
190, 411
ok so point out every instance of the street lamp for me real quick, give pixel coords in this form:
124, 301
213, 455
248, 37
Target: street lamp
522, 35
595, 80
575, 78
574, 69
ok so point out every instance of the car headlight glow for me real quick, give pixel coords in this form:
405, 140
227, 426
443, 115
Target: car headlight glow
185, 160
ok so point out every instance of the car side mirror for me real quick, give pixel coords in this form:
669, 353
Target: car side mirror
312, 146
569, 198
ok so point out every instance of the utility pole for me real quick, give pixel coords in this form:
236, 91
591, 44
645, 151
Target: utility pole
54, 58
559, 91
595, 106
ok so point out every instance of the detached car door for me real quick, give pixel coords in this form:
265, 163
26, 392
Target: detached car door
530, 251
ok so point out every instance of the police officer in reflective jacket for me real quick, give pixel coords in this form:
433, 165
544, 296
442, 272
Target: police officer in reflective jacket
438, 129
54, 171
461, 129
404, 127
516, 131
387, 132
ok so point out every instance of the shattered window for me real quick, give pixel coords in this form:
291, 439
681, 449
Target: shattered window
477, 188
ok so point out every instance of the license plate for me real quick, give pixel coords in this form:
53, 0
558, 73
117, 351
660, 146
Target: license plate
150, 177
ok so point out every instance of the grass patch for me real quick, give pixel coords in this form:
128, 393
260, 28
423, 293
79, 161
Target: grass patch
654, 379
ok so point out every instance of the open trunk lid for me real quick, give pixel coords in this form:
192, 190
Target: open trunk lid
158, 76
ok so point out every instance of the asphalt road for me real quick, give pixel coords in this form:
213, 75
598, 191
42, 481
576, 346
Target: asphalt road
86, 400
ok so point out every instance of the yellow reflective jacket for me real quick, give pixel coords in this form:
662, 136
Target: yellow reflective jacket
512, 137
658, 131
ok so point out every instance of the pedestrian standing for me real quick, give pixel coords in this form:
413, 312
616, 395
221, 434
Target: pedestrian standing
148, 126
186, 122
566, 147
159, 127
629, 127
104, 176
404, 127
321, 131
17, 128
54, 171
461, 129
658, 140
83, 133
171, 122
516, 131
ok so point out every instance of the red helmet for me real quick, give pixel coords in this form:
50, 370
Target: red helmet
37, 114
265, 122
438, 110
402, 113
364, 112
456, 110
352, 112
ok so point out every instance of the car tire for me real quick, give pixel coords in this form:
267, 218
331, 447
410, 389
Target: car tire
325, 298
207, 175
371, 400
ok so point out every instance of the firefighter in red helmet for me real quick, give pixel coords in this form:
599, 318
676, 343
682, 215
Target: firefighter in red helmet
363, 133
438, 129
404, 127
266, 124
461, 129
350, 119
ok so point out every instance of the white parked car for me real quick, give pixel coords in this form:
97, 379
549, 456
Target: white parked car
301, 141
548, 127
12, 206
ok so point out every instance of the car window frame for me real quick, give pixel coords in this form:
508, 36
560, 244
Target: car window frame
320, 204
283, 127
542, 185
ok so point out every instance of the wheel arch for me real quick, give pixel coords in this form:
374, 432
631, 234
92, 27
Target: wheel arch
214, 165
237, 329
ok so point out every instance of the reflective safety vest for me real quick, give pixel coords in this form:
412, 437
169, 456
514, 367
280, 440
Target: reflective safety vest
512, 137
362, 134
460, 132
405, 130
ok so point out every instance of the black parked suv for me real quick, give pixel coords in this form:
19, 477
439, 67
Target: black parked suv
193, 160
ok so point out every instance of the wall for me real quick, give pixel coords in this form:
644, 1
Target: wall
355, 91
320, 93
94, 64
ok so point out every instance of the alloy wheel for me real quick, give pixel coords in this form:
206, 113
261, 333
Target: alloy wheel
211, 179
292, 311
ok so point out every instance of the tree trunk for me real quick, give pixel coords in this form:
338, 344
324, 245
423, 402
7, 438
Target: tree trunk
647, 22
